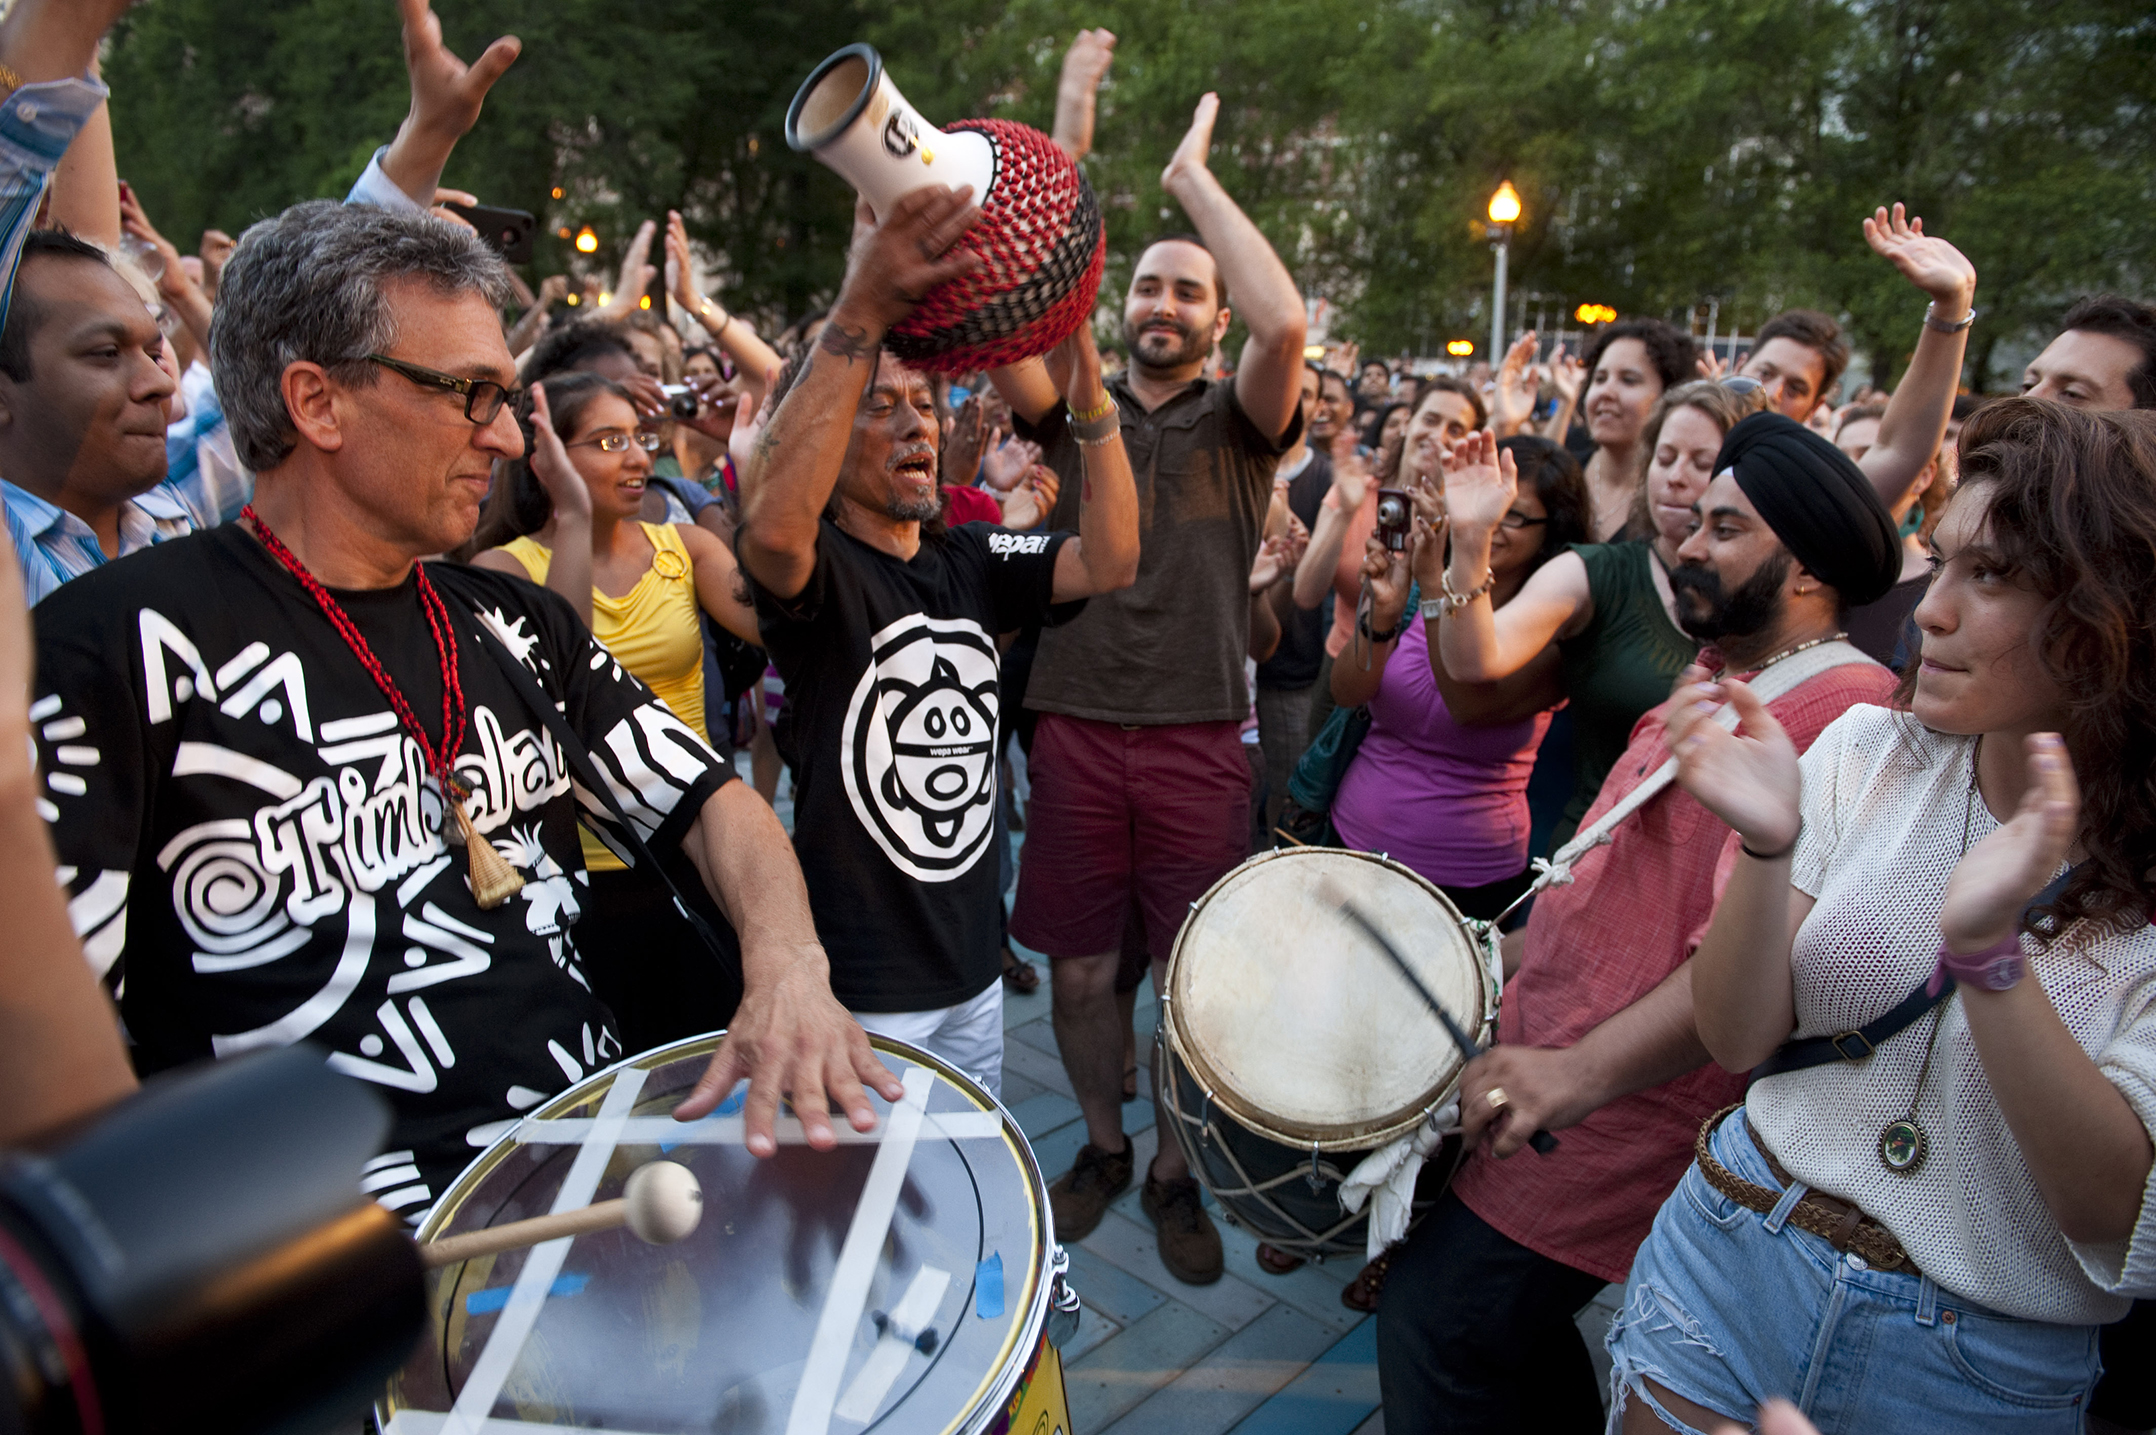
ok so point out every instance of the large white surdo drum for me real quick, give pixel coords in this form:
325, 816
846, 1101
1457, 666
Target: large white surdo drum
906, 1282
1292, 1046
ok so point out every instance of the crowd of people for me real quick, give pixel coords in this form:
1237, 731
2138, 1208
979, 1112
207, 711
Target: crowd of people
394, 634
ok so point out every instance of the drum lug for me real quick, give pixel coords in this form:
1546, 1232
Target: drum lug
1063, 1304
1317, 1182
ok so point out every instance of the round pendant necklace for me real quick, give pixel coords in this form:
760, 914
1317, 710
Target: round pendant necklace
1903, 1144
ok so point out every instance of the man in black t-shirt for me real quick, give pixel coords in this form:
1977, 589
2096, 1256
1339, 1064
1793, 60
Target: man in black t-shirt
251, 738
883, 623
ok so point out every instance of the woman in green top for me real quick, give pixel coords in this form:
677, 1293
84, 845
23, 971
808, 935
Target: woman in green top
1607, 606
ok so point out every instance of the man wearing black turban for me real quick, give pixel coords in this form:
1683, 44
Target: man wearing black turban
1791, 535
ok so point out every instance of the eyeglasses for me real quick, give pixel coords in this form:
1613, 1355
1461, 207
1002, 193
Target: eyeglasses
483, 398
618, 442
1514, 522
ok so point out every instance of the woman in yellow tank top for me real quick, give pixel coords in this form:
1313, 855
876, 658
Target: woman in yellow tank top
567, 520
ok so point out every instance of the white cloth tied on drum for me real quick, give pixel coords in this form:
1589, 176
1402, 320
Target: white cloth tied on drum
1386, 1178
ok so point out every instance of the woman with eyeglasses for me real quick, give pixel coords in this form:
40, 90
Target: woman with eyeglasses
1427, 789
566, 518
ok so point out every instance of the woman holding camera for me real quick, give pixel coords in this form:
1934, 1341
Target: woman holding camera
566, 518
1447, 798
1932, 1236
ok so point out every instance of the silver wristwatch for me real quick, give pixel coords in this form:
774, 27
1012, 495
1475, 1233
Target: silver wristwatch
1432, 609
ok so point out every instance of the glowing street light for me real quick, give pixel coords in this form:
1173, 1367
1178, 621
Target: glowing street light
586, 241
1505, 204
1595, 314
1460, 348
1504, 212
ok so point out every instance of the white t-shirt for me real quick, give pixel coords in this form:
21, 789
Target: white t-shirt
1885, 801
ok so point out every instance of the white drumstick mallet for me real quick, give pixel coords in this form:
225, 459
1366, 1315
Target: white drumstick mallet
661, 1203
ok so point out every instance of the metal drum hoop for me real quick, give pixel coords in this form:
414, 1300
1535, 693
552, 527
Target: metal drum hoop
1046, 1303
1481, 935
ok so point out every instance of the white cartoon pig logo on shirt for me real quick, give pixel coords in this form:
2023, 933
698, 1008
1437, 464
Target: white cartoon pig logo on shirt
919, 745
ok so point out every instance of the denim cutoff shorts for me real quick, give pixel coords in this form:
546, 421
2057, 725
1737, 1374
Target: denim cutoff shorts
1728, 1308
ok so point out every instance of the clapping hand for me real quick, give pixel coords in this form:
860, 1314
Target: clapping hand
1513, 405
2000, 874
1932, 265
550, 464
1749, 777
1480, 484
1567, 375
1190, 156
1008, 462
1387, 573
1273, 564
637, 272
964, 442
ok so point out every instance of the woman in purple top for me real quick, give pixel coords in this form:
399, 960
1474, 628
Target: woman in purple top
1440, 781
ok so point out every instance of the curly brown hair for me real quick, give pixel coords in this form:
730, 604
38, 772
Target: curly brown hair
2073, 511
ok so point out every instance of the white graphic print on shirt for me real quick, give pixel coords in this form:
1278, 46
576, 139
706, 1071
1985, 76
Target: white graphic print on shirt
313, 895
919, 744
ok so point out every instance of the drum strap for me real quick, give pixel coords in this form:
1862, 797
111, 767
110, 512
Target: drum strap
578, 756
1773, 682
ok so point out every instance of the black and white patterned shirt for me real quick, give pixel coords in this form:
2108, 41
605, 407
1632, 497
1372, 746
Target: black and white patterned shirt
254, 851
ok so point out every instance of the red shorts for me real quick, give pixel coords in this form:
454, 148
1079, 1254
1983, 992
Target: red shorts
1150, 816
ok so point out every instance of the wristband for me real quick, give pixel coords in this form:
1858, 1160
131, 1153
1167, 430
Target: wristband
1746, 847
1932, 322
1995, 969
1097, 429
1107, 406
1362, 625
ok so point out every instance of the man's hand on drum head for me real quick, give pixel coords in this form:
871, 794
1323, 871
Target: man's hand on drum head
1510, 1092
791, 1038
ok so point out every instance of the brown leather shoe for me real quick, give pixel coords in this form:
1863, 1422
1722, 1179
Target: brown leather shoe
1189, 1243
1080, 1196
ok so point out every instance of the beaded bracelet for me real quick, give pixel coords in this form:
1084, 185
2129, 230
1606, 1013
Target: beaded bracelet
1455, 601
1093, 431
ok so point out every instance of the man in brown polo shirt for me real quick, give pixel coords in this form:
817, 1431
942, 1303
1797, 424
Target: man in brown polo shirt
1141, 791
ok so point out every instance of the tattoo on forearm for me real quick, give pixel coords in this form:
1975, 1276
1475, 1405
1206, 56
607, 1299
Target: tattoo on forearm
843, 343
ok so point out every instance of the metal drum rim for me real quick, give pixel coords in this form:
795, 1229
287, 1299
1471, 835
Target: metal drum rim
1015, 1355
1294, 1135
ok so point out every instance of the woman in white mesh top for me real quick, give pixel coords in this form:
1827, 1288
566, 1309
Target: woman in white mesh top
1924, 1228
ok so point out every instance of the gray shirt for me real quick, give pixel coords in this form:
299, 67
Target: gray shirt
1169, 648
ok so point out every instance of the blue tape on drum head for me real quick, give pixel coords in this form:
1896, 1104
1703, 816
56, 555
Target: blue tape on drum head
487, 1302
988, 1287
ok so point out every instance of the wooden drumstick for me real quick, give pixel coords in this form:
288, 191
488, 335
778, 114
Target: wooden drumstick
661, 1203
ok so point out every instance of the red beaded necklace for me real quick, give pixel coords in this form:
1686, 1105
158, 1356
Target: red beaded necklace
488, 879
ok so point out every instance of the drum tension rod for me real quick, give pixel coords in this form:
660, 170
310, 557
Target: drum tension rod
1316, 1183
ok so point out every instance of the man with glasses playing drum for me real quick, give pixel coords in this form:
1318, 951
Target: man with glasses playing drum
1596, 1030
305, 787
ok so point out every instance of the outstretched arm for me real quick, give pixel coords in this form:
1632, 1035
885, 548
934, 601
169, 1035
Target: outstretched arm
1085, 65
1476, 643
446, 96
1916, 417
797, 457
1268, 382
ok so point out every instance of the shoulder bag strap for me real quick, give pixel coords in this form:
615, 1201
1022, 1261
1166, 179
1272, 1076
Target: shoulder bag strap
585, 771
1799, 1053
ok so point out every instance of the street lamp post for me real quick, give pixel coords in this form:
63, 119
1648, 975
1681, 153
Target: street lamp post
1504, 213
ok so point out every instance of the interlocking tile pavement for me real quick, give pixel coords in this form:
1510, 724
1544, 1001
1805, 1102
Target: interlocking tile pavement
1124, 1371
1132, 1247
1233, 1379
1335, 1395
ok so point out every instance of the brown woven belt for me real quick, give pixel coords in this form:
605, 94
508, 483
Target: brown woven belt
1839, 1223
